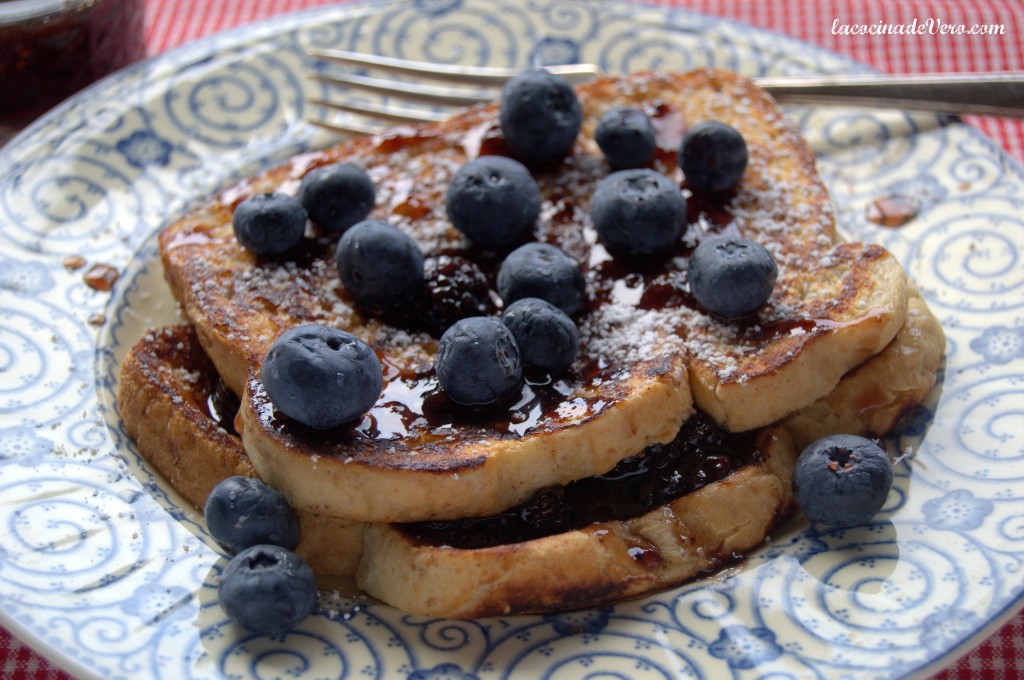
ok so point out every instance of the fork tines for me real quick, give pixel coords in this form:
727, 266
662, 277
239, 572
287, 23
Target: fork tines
369, 98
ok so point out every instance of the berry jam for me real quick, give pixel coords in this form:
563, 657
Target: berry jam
49, 50
702, 453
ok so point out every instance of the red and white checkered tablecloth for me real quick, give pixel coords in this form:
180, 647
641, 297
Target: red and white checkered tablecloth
173, 22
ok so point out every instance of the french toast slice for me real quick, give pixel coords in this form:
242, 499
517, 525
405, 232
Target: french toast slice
601, 562
180, 416
870, 399
167, 385
647, 351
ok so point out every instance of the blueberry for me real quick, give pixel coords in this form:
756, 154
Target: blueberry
242, 512
269, 224
321, 376
540, 116
337, 196
731, 276
494, 201
544, 271
626, 137
380, 265
638, 212
546, 336
713, 157
267, 589
842, 480
478, 362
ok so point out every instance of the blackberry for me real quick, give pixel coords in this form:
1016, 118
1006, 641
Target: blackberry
454, 288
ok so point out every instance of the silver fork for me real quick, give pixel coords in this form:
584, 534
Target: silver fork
997, 93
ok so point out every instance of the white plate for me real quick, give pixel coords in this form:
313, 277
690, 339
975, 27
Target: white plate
105, 572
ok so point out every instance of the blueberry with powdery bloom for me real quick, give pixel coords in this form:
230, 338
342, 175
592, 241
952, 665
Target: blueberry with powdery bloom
380, 265
269, 224
627, 138
638, 213
713, 156
478, 362
321, 376
494, 201
267, 589
546, 336
543, 271
540, 116
337, 196
731, 276
241, 512
842, 480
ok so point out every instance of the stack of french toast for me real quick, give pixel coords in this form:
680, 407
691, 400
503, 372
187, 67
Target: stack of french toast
664, 452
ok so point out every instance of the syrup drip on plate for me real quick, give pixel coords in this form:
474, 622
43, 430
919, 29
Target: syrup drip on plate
893, 210
101, 277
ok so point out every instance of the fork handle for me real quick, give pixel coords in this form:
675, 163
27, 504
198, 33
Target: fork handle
1000, 94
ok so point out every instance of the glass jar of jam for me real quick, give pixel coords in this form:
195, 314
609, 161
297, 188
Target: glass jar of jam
50, 49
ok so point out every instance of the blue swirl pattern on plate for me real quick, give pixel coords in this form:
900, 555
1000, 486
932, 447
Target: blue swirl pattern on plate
106, 570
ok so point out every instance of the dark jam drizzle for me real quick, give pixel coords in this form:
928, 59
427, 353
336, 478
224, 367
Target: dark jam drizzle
702, 453
222, 405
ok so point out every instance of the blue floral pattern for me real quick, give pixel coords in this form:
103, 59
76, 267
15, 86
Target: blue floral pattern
25, 278
554, 51
143, 148
744, 647
1000, 345
940, 629
958, 510
154, 603
588, 621
23, 446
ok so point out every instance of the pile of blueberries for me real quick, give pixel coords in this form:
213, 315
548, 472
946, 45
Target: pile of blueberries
325, 377
495, 202
265, 587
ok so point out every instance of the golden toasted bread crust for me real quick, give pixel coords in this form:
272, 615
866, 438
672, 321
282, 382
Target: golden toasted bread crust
163, 396
859, 304
873, 397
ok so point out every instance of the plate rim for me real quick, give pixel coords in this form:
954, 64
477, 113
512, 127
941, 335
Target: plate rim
237, 36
